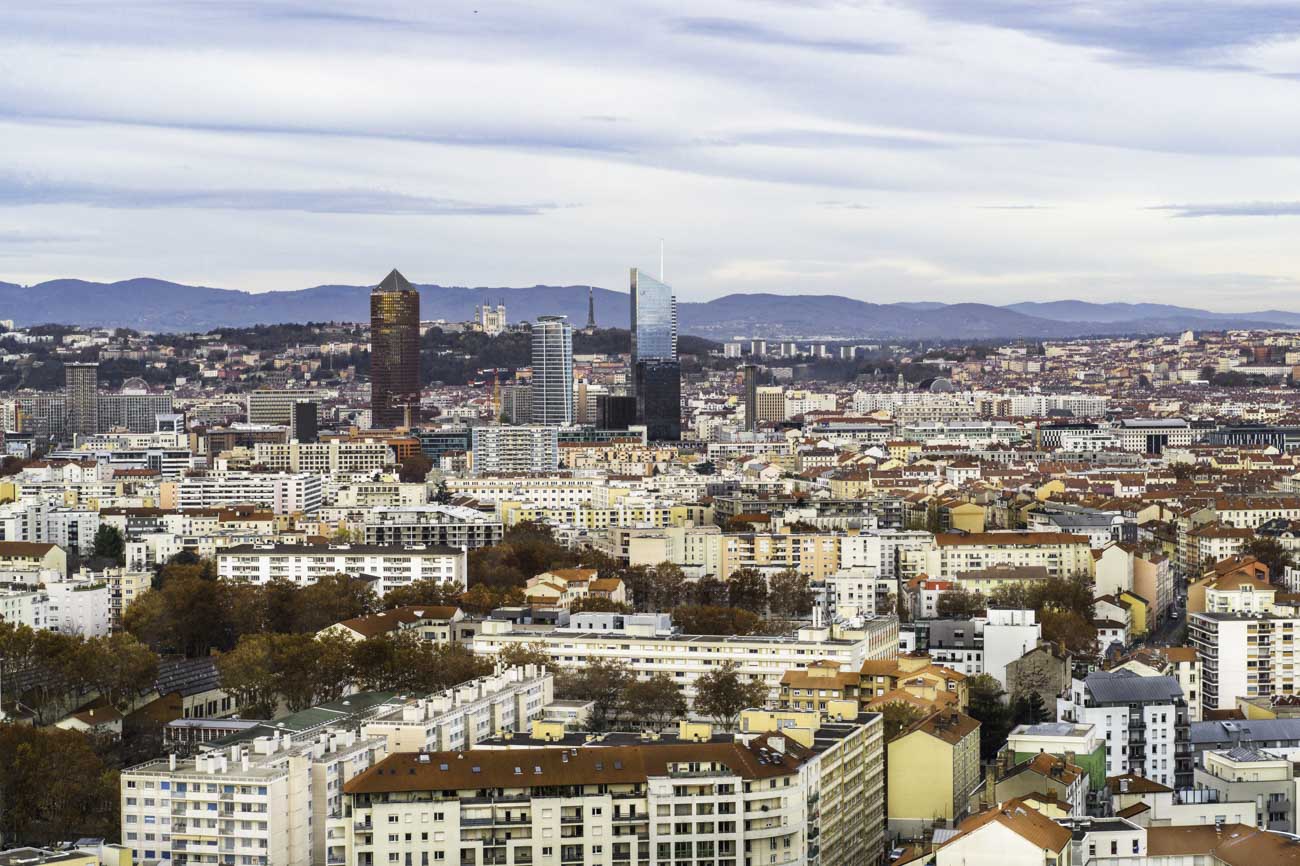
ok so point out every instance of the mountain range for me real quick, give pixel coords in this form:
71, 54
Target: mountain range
158, 305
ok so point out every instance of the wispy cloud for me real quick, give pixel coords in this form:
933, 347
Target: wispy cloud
1015, 207
736, 30
322, 201
846, 205
1179, 32
1233, 209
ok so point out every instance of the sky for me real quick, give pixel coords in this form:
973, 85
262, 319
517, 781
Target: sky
889, 150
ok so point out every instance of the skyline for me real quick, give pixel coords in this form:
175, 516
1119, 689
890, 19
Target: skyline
929, 150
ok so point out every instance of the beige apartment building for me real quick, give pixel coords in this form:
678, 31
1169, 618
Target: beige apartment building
1060, 553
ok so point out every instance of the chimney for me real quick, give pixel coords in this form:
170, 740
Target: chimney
171, 762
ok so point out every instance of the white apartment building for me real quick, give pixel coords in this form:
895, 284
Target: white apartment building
1245, 655
1153, 435
24, 604
1143, 721
648, 644
263, 803
303, 564
275, 406
333, 457
279, 492
466, 715
893, 553
515, 449
47, 520
450, 525
771, 798
1062, 554
80, 606
552, 490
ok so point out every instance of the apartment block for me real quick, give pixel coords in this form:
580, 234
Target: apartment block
449, 525
1061, 554
263, 803
763, 798
1245, 655
302, 564
649, 644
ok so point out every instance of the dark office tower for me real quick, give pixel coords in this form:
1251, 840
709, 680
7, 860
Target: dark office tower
615, 412
305, 426
591, 309
659, 399
394, 353
81, 394
751, 396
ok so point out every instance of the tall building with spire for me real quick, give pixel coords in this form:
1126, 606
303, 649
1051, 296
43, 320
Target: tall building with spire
591, 309
656, 373
394, 353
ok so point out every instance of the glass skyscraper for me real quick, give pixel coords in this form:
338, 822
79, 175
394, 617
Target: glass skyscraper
552, 392
656, 374
394, 353
654, 319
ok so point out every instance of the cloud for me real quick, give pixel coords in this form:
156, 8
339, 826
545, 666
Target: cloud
319, 201
736, 30
1233, 209
1179, 32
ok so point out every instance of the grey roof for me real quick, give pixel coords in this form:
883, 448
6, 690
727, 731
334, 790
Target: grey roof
187, 677
394, 282
1239, 731
1245, 753
1051, 729
943, 634
1126, 687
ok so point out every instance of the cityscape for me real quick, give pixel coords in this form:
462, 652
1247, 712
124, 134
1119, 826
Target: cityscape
755, 434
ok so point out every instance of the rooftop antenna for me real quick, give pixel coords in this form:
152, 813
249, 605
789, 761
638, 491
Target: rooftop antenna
661, 260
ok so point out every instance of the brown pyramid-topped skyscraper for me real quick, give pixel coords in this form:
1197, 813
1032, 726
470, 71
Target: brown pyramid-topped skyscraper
394, 353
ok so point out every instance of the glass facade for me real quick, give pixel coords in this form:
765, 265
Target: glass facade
394, 353
552, 386
659, 399
654, 319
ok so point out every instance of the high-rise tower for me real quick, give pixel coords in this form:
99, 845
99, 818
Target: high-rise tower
394, 353
81, 389
656, 374
591, 309
750, 387
552, 393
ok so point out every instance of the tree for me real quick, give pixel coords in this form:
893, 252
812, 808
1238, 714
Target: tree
1029, 709
722, 695
602, 683
332, 598
54, 787
790, 594
655, 702
479, 599
712, 619
960, 604
248, 674
518, 655
710, 592
747, 588
414, 468
1270, 552
598, 604
987, 708
431, 592
109, 543
1067, 628
119, 667
898, 716
187, 615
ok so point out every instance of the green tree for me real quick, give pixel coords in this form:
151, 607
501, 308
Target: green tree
654, 703
332, 598
518, 655
790, 594
54, 787
960, 604
602, 683
596, 604
898, 716
1069, 629
987, 708
119, 667
429, 592
1270, 552
712, 619
1029, 709
722, 695
109, 543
